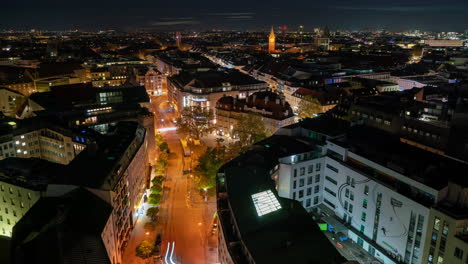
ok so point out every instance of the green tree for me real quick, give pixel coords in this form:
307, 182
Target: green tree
152, 212
158, 180
164, 147
207, 167
250, 129
195, 122
145, 249
157, 189
162, 160
308, 107
154, 199
149, 227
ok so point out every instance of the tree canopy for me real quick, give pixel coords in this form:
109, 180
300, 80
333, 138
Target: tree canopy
207, 167
152, 212
145, 249
195, 122
308, 107
250, 128
154, 199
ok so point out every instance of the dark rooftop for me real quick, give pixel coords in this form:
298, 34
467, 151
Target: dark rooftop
65, 224
287, 235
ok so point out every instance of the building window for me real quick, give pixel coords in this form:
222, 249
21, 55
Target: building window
366, 189
309, 180
315, 200
350, 209
363, 216
360, 241
302, 171
310, 169
301, 194
294, 195
331, 180
458, 253
436, 224
317, 167
316, 189
332, 168
295, 172
317, 178
308, 203
347, 193
364, 203
362, 229
445, 228
301, 182
309, 191
294, 184
351, 196
346, 205
329, 203
330, 191
348, 179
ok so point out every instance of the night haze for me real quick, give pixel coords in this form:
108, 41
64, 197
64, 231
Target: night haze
160, 15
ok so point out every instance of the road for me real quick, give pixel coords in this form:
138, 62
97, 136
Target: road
183, 221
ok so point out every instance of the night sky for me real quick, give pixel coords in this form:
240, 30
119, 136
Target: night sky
395, 15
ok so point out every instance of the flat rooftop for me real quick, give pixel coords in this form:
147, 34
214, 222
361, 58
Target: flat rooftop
273, 229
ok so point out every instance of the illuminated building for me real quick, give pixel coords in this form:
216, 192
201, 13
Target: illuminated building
271, 41
33, 138
205, 88
256, 225
178, 39
275, 111
153, 82
10, 100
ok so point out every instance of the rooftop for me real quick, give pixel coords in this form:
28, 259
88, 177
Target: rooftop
65, 224
273, 229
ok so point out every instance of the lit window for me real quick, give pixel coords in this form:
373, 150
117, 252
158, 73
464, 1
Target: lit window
265, 202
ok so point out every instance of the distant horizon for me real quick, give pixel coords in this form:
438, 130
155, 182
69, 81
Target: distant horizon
158, 15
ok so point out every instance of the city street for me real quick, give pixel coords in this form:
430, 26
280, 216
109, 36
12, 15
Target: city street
185, 220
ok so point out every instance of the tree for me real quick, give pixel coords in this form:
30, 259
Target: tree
154, 199
309, 107
250, 129
152, 213
207, 167
164, 147
157, 189
162, 159
195, 122
149, 227
145, 249
158, 180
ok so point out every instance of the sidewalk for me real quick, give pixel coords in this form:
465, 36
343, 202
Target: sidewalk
138, 234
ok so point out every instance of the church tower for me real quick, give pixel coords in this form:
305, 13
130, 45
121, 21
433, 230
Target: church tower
271, 41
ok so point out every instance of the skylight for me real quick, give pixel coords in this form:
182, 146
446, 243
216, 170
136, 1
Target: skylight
265, 202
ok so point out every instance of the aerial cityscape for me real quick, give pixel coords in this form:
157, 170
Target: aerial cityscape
299, 132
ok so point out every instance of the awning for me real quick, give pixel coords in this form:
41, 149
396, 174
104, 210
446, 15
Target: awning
337, 225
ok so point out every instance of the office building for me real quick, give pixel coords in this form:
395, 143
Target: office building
204, 89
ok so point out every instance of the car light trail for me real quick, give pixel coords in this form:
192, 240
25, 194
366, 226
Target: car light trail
167, 129
167, 252
172, 253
